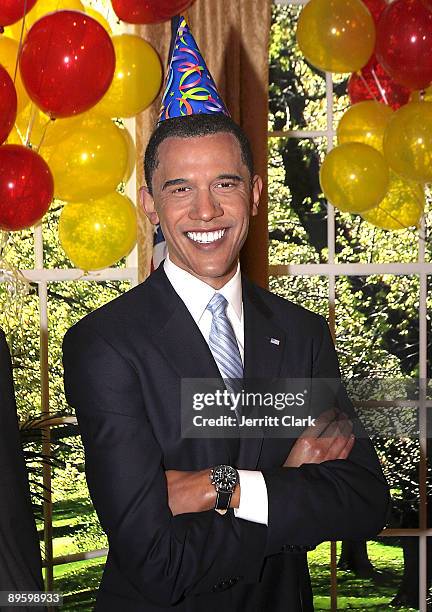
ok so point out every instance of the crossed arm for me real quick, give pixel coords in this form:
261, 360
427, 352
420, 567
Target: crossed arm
330, 438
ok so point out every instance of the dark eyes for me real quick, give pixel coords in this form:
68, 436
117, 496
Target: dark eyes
180, 189
226, 184
223, 185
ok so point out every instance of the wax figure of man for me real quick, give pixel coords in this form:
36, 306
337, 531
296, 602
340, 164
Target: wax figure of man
196, 316
20, 560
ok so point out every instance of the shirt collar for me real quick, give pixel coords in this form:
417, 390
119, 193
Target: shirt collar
196, 294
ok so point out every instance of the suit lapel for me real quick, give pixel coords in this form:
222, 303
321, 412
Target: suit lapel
264, 347
182, 343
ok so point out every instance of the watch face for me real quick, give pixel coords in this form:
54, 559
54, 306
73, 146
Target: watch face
224, 477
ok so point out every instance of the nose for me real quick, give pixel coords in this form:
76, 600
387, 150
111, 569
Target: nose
205, 207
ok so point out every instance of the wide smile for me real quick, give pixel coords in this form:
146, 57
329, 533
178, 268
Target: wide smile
207, 238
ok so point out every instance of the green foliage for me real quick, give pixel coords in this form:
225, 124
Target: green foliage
376, 323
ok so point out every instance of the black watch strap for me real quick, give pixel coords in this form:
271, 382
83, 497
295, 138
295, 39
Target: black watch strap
223, 499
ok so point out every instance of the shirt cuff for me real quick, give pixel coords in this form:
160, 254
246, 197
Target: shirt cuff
253, 497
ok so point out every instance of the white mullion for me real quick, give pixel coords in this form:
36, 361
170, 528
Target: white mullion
288, 2
72, 274
132, 187
298, 133
131, 191
350, 269
422, 424
80, 556
331, 298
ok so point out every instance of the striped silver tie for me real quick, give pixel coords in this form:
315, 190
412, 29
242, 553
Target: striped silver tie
223, 343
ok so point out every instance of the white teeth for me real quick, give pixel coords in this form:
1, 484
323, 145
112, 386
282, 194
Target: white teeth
205, 237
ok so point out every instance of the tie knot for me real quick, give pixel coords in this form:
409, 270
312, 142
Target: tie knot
217, 304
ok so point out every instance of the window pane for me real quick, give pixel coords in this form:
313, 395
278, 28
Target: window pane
75, 524
319, 569
297, 90
297, 210
369, 578
79, 583
68, 303
308, 291
358, 241
377, 326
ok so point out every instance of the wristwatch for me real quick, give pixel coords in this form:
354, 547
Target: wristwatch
225, 478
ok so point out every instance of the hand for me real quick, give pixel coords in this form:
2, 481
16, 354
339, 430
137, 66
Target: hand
189, 491
330, 438
193, 492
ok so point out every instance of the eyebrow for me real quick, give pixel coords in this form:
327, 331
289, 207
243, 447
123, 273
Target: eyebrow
231, 177
178, 181
221, 177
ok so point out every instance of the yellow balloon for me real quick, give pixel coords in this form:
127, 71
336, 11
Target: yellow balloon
96, 234
8, 59
408, 141
89, 160
14, 137
336, 35
99, 17
354, 177
131, 154
41, 8
137, 78
402, 207
365, 122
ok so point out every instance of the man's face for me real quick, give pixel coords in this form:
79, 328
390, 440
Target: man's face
203, 198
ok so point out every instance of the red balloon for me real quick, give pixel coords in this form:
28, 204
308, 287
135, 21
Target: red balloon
26, 187
375, 7
12, 11
67, 63
373, 83
428, 4
148, 11
8, 104
404, 42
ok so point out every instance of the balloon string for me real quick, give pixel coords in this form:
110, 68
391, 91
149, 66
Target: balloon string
367, 86
396, 220
20, 40
44, 133
21, 137
380, 87
30, 124
386, 212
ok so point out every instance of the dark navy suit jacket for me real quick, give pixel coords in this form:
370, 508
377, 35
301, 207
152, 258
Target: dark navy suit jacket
123, 366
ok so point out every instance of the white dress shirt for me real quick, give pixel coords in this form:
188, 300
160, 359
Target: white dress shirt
196, 295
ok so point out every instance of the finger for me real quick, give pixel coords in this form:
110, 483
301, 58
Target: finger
348, 448
341, 448
337, 446
345, 426
337, 436
327, 438
321, 423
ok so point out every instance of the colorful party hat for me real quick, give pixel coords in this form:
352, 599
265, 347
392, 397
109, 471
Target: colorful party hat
190, 88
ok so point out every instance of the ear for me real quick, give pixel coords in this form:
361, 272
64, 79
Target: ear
257, 186
148, 204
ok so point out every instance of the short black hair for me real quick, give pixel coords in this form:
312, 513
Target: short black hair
192, 126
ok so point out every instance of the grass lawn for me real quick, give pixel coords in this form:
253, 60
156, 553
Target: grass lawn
358, 593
